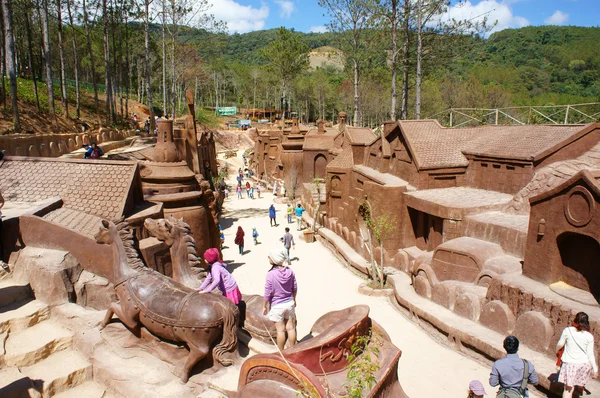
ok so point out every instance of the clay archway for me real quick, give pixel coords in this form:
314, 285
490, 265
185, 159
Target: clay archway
580, 256
320, 165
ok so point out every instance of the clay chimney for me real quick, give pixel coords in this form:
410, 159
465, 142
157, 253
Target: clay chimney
342, 118
165, 150
295, 126
321, 124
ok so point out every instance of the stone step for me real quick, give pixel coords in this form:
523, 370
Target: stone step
89, 389
11, 291
31, 345
59, 372
14, 384
22, 314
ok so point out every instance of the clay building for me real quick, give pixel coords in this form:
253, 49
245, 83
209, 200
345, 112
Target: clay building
495, 224
303, 153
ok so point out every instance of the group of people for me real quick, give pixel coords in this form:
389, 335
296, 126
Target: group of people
575, 352
279, 294
92, 151
248, 186
290, 211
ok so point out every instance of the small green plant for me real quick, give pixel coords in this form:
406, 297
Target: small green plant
363, 364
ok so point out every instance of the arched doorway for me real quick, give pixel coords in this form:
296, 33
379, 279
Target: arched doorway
320, 165
580, 256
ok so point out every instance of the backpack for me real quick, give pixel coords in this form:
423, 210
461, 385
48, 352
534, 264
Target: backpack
510, 393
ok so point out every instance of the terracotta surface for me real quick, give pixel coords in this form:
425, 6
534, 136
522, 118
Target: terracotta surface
166, 308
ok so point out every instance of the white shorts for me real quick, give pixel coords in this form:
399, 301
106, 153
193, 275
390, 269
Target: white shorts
282, 311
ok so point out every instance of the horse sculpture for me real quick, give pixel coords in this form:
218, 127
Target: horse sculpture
166, 308
176, 234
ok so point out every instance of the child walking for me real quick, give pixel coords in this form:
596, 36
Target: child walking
219, 278
255, 235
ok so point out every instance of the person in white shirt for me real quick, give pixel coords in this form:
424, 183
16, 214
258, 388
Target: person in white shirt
578, 360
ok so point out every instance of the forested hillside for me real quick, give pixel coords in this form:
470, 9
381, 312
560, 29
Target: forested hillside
120, 50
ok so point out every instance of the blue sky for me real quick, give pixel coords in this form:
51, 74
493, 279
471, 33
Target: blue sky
306, 15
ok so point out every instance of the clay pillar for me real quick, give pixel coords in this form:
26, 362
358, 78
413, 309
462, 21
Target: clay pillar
321, 125
165, 150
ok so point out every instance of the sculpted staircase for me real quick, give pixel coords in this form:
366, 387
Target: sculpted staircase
36, 354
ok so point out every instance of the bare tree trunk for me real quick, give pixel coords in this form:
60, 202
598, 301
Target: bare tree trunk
356, 81
394, 66
147, 59
127, 77
10, 61
75, 63
419, 59
107, 77
405, 55
61, 57
92, 63
30, 50
46, 40
173, 103
164, 54
2, 60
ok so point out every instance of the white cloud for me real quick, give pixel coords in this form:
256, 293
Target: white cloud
239, 18
286, 8
318, 29
495, 11
558, 18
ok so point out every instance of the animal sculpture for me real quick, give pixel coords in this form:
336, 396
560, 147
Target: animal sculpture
166, 308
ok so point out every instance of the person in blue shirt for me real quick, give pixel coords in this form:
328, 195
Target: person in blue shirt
272, 216
299, 211
508, 372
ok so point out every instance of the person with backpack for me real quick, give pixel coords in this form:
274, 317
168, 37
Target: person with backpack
512, 373
578, 360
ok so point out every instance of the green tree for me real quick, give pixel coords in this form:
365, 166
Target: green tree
288, 57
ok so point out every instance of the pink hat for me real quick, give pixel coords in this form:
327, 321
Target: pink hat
477, 387
212, 255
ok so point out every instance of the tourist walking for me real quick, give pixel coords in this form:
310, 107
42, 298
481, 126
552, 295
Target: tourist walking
252, 191
275, 188
272, 216
288, 243
280, 298
476, 389
578, 360
239, 239
247, 189
219, 278
239, 191
299, 211
512, 373
290, 211
258, 188
255, 235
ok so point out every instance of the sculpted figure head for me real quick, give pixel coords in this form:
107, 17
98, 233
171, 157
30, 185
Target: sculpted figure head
162, 229
106, 233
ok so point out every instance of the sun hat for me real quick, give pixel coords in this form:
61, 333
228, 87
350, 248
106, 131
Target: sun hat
477, 387
278, 256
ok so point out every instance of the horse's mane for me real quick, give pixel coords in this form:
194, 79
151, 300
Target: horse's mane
129, 243
189, 241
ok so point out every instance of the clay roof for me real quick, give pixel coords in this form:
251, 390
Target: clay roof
360, 135
345, 160
435, 146
98, 187
318, 142
78, 221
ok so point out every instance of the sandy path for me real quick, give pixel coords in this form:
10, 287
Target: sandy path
427, 369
